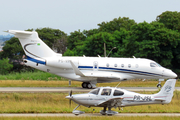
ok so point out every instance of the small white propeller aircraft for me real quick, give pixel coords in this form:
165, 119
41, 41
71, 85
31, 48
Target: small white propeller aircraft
89, 70
109, 97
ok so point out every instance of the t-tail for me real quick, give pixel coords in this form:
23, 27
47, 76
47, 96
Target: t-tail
35, 49
166, 93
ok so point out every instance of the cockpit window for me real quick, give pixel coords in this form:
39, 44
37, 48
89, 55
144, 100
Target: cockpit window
159, 65
118, 93
106, 91
153, 64
96, 91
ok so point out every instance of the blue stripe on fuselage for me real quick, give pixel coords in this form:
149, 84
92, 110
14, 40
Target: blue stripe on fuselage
123, 70
35, 60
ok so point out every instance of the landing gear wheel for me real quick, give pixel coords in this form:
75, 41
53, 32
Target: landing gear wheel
103, 113
89, 86
109, 114
84, 85
158, 85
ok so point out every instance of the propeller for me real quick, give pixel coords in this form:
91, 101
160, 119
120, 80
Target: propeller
70, 94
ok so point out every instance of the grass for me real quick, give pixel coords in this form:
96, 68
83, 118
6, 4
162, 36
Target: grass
58, 83
57, 103
44, 79
91, 118
38, 75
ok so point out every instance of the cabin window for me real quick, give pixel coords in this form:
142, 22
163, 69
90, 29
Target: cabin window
115, 65
129, 65
96, 91
122, 65
107, 64
136, 65
153, 65
118, 93
106, 92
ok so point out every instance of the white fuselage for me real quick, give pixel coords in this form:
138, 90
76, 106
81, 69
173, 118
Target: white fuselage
109, 97
102, 69
117, 97
89, 70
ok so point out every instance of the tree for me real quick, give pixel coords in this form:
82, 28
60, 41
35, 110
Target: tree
49, 35
153, 41
5, 66
94, 44
121, 38
14, 52
116, 24
170, 19
60, 45
75, 38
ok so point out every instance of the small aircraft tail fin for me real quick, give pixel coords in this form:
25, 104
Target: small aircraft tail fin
32, 45
166, 92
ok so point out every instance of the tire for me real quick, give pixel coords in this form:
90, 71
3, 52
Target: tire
84, 85
89, 86
158, 85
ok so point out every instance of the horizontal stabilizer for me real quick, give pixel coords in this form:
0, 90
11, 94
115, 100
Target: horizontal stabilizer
159, 99
19, 32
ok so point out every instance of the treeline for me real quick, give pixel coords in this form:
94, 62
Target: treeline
158, 40
5, 37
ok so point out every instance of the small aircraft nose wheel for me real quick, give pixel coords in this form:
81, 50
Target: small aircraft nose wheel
158, 85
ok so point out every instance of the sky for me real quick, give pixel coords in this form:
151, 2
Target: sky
72, 15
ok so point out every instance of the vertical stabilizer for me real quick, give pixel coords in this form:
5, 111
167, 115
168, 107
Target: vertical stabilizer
32, 45
166, 93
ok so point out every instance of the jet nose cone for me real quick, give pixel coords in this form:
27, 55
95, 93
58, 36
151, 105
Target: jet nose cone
174, 75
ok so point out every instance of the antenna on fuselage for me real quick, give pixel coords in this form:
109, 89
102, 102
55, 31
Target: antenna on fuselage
84, 56
99, 56
118, 84
134, 57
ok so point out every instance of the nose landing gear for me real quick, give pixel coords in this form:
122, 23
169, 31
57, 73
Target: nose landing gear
159, 84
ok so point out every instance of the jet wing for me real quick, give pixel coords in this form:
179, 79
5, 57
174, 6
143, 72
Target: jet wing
114, 102
76, 70
94, 74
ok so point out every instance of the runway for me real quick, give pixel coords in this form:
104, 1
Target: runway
67, 89
88, 114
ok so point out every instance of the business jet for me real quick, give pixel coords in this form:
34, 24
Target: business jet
108, 97
88, 70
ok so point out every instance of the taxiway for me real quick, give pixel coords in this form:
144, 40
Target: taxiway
87, 114
67, 89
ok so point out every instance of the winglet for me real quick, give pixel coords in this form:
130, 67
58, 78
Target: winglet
76, 70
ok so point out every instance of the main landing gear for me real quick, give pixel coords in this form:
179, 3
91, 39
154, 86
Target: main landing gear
88, 85
109, 112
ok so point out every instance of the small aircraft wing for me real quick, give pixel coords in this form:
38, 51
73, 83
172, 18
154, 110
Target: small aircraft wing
114, 102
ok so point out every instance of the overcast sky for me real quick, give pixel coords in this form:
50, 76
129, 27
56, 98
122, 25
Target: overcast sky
71, 15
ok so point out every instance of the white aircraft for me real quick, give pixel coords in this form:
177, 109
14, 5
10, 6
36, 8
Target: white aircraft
89, 70
109, 97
